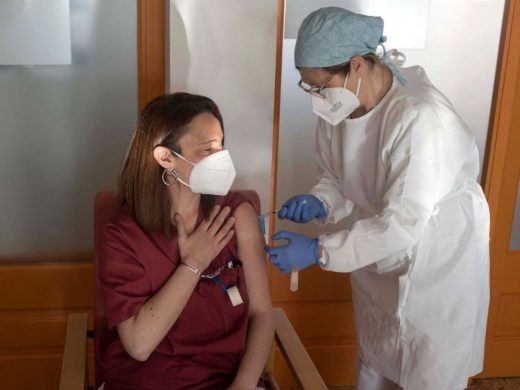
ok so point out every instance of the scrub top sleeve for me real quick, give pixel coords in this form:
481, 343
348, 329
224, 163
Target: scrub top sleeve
328, 188
412, 182
124, 283
235, 199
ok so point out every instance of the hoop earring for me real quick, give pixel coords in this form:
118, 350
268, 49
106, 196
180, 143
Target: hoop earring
171, 172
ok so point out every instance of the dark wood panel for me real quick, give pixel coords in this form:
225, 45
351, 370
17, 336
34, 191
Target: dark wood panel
151, 50
36, 300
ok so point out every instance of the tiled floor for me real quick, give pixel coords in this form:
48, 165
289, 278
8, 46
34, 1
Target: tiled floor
478, 384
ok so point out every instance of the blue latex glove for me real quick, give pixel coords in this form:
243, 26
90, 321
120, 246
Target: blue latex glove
302, 208
299, 253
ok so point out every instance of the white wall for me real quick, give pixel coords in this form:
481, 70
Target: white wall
226, 50
460, 57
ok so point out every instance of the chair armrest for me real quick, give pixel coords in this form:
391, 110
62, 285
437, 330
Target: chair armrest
73, 371
73, 368
295, 354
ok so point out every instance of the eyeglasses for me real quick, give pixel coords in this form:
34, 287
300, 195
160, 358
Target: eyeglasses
315, 91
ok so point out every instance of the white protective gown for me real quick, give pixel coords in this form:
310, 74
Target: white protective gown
417, 247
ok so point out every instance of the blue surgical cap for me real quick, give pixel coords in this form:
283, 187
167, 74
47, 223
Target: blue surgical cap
332, 35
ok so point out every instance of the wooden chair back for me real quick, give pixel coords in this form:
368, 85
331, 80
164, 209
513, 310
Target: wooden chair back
75, 362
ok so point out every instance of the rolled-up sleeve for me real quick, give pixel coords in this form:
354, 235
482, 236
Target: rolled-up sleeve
125, 285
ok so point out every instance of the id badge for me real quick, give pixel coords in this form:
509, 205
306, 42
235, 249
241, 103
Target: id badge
234, 296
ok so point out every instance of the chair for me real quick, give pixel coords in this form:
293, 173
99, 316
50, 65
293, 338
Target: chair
74, 366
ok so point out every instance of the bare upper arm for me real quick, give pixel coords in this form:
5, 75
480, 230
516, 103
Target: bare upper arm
251, 252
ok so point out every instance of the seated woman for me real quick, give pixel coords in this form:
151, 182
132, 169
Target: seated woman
182, 267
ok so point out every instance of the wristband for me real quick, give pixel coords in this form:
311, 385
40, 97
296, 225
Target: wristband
193, 269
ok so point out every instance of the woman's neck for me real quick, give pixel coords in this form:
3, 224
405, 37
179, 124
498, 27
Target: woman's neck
373, 89
186, 203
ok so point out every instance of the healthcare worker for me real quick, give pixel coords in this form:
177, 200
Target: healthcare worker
396, 159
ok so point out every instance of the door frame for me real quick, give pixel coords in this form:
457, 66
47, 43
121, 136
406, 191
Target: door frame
151, 50
508, 68
500, 189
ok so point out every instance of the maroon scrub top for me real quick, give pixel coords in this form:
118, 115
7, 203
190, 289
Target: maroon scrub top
203, 348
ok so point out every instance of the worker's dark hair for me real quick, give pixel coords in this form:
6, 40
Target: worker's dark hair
344, 68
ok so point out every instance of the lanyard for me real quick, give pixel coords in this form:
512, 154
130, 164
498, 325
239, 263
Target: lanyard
215, 276
233, 293
217, 279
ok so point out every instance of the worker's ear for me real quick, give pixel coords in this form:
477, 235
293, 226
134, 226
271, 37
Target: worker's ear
164, 157
358, 67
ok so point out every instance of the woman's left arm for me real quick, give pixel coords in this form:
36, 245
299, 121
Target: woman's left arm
261, 322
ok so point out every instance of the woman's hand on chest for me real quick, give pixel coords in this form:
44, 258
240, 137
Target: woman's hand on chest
201, 246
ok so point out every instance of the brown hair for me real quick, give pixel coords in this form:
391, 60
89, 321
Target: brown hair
163, 122
372, 59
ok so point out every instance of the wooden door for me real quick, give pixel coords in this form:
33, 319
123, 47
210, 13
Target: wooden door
502, 357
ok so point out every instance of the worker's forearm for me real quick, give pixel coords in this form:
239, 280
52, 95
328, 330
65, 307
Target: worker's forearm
158, 314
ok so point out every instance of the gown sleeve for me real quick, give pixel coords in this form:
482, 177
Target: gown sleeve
411, 188
125, 285
328, 189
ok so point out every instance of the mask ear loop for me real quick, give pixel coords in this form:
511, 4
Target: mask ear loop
182, 158
358, 86
177, 178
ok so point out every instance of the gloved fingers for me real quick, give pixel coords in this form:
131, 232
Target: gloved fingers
297, 217
272, 250
282, 269
281, 264
307, 214
282, 214
291, 200
282, 235
274, 260
290, 210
